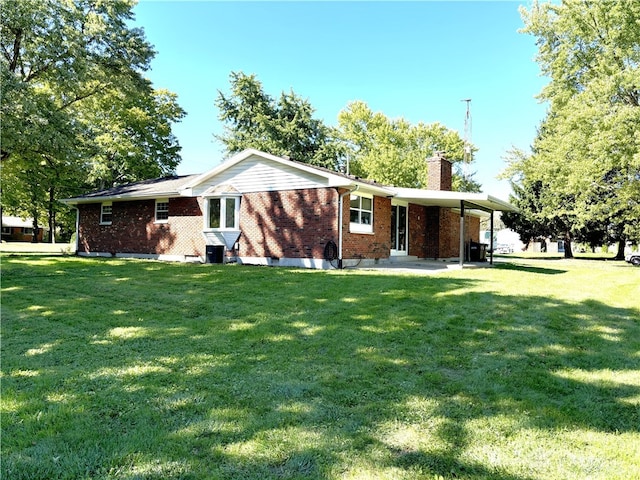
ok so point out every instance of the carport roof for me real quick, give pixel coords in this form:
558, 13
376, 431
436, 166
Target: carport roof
438, 198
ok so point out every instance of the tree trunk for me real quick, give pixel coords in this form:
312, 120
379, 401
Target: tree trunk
620, 254
567, 245
36, 230
52, 218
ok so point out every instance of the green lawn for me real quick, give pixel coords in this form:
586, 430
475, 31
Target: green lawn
146, 370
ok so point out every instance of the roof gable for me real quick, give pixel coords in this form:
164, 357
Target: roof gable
252, 170
259, 173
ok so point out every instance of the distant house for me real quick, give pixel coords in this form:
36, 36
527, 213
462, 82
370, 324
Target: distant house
258, 208
16, 229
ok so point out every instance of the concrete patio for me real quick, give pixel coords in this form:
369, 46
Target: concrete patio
420, 266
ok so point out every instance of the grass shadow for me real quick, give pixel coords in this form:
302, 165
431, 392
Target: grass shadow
530, 268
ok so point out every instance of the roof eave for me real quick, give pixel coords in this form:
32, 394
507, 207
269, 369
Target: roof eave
111, 198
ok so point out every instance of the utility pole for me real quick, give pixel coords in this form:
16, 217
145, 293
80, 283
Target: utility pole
466, 160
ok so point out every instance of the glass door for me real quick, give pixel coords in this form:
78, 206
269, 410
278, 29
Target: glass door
398, 230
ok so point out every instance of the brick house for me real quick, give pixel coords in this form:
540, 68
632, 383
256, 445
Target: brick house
17, 229
257, 208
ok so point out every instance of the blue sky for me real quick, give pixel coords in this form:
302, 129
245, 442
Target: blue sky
415, 60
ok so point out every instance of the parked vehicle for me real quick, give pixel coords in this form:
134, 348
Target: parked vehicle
633, 259
504, 248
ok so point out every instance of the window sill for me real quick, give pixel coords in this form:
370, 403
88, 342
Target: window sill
363, 229
105, 223
161, 222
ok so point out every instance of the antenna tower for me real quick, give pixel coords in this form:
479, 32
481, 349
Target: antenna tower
467, 134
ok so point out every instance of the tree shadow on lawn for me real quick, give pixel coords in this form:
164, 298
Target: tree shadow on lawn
529, 268
170, 371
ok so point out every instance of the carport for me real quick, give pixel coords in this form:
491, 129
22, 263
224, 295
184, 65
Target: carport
463, 202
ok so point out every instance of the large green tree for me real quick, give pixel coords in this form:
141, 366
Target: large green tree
76, 109
587, 151
131, 136
254, 119
394, 152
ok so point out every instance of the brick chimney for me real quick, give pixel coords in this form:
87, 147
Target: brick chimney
439, 172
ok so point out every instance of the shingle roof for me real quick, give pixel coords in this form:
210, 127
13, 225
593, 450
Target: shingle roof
165, 186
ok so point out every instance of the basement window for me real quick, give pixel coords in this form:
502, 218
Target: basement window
361, 214
106, 213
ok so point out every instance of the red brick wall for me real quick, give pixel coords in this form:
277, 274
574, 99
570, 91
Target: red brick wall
473, 229
432, 234
442, 239
133, 228
299, 223
290, 223
450, 232
368, 245
418, 218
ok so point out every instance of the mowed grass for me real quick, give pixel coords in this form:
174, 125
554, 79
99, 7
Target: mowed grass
146, 370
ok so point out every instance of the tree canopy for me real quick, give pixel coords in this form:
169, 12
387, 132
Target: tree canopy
389, 151
394, 152
77, 112
254, 119
586, 156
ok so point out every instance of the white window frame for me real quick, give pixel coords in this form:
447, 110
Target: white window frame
161, 201
394, 205
7, 230
103, 212
223, 213
359, 226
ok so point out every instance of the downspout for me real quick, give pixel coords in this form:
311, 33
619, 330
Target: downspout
77, 229
340, 210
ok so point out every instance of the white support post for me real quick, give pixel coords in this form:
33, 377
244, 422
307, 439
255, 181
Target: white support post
491, 242
461, 233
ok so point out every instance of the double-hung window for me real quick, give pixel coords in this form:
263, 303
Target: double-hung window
223, 213
106, 213
361, 214
162, 210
